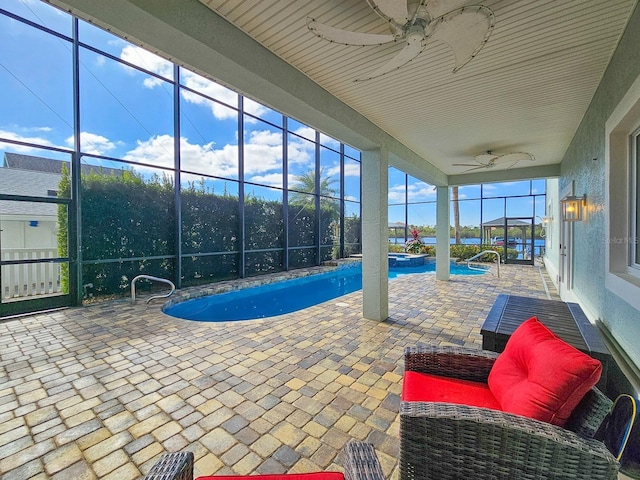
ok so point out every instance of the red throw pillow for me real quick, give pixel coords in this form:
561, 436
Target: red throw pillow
540, 376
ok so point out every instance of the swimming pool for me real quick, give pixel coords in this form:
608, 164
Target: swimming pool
430, 267
286, 296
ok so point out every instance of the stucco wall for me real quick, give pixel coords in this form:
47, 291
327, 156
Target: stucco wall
584, 163
552, 233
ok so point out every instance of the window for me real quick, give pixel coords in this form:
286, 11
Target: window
635, 200
622, 201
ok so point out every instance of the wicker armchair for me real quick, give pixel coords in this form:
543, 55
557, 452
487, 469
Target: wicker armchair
446, 441
359, 460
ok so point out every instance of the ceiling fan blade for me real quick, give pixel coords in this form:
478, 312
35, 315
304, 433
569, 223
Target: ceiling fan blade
437, 8
515, 157
485, 158
465, 30
411, 50
396, 9
475, 168
345, 37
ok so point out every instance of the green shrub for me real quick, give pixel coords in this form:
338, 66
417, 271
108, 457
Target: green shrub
428, 249
396, 248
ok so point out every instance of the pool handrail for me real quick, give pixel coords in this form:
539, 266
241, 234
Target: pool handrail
149, 277
470, 267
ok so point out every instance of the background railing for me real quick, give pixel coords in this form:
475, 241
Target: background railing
31, 279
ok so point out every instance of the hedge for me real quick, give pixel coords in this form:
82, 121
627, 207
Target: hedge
127, 216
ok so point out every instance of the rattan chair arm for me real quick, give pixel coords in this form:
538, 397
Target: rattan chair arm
586, 418
455, 362
172, 466
448, 441
361, 462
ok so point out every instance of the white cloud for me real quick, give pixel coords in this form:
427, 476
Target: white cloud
306, 132
352, 170
260, 158
333, 171
266, 137
417, 192
150, 61
310, 134
158, 150
421, 192
254, 108
300, 152
271, 179
93, 143
396, 194
20, 138
154, 63
218, 110
263, 154
329, 141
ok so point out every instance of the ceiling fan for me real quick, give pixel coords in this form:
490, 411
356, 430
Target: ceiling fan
490, 160
464, 28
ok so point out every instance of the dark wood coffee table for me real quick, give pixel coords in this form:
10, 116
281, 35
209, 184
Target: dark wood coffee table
566, 320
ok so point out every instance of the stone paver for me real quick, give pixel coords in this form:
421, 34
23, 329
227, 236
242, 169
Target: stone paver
101, 391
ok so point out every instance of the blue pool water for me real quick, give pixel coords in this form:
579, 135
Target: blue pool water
287, 296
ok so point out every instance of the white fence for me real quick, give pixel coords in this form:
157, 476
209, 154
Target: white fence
32, 279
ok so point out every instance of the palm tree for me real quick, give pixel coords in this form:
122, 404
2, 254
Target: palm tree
456, 213
305, 184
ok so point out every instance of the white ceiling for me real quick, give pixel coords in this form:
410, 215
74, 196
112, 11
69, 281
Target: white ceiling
527, 89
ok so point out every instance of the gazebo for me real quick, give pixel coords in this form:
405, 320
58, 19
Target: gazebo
395, 226
504, 224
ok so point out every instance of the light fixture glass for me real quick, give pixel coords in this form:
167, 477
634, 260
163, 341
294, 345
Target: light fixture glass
572, 208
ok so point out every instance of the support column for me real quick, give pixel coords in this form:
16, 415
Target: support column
443, 234
375, 234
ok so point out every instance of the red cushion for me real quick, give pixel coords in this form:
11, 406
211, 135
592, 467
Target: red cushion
282, 476
540, 376
423, 387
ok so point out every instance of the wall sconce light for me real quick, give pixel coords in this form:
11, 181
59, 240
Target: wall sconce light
545, 221
572, 208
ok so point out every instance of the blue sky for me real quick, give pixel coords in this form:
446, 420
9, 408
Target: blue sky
127, 114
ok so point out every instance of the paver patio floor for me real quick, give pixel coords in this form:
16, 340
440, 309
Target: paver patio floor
101, 391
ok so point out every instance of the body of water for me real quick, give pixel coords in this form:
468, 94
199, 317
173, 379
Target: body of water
538, 243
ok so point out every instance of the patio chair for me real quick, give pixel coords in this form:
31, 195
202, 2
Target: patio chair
451, 441
360, 463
